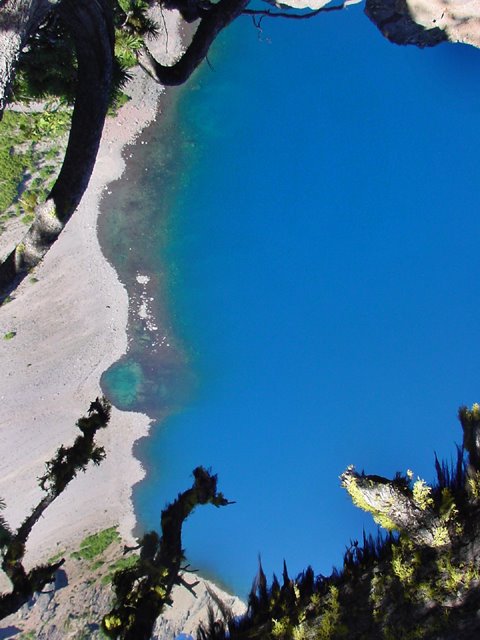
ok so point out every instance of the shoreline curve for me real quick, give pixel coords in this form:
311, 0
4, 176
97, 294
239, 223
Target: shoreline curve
70, 327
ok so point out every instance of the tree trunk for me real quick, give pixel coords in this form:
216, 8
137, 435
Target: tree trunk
91, 25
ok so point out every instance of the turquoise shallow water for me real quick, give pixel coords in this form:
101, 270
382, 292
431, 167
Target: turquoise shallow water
316, 247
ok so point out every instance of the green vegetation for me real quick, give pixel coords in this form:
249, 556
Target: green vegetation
50, 123
422, 495
405, 561
48, 66
12, 169
392, 587
56, 557
126, 47
9, 335
398, 587
94, 545
29, 148
329, 625
30, 152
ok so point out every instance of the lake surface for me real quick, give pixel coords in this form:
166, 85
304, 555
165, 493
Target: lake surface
309, 223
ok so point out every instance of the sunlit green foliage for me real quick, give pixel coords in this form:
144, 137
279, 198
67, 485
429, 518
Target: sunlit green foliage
24, 136
329, 625
12, 168
132, 17
405, 561
48, 65
126, 46
94, 545
422, 494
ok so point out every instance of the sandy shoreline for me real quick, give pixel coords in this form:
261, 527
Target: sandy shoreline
70, 327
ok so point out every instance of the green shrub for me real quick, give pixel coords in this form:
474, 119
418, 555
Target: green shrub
28, 218
126, 46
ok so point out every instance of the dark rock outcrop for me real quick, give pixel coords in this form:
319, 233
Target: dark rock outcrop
396, 23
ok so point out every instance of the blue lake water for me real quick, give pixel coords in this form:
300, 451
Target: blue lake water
315, 245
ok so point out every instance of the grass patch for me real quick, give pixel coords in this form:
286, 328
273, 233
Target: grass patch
12, 168
96, 544
45, 125
20, 159
28, 218
9, 335
56, 557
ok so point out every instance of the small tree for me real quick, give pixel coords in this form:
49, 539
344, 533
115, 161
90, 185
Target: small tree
60, 470
142, 591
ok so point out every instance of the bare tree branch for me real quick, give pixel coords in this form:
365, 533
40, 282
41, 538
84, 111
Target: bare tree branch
268, 13
165, 27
